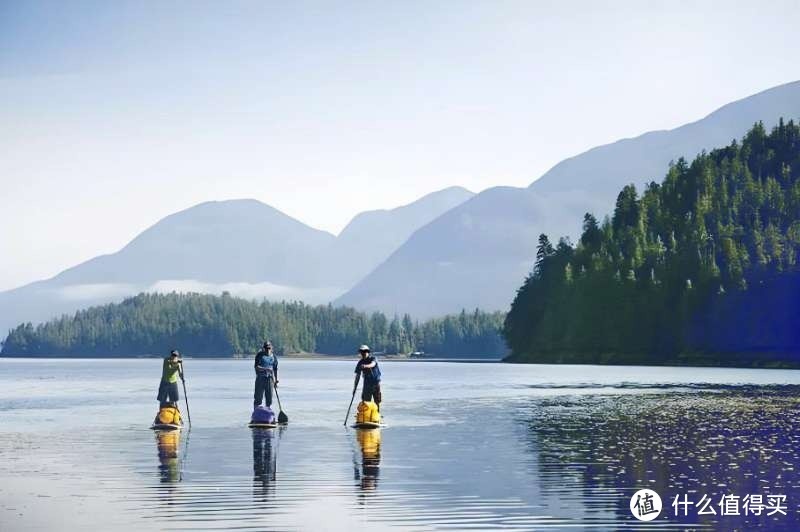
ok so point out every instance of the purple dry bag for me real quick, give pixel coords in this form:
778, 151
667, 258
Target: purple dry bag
263, 414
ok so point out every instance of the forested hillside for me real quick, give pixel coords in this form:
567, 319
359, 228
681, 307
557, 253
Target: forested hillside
478, 253
701, 268
223, 325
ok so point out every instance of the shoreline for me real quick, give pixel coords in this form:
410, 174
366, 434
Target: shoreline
292, 356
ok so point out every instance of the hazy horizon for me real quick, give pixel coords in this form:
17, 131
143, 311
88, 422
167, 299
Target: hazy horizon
115, 116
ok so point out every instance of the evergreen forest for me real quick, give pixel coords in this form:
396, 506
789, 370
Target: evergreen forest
701, 268
209, 325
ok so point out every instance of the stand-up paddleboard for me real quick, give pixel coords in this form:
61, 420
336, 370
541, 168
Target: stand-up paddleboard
262, 425
166, 426
368, 425
254, 425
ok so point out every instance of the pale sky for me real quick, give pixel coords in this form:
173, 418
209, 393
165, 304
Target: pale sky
116, 114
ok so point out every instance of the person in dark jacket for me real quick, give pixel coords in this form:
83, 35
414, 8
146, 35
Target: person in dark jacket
368, 368
266, 366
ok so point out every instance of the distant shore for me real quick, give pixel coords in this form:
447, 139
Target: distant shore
394, 357
290, 356
304, 355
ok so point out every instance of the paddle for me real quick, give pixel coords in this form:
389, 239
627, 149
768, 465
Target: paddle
185, 395
355, 387
282, 417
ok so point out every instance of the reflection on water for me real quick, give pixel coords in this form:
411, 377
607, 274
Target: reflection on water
370, 443
169, 463
265, 461
727, 442
531, 447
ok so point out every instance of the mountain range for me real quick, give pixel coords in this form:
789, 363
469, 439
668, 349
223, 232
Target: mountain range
449, 250
244, 247
478, 253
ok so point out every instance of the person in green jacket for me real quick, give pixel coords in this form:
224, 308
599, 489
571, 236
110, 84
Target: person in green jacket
168, 389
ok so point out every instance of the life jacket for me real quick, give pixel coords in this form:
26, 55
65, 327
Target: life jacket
376, 373
367, 412
372, 374
169, 415
265, 361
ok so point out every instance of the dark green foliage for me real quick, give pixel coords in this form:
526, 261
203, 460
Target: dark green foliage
206, 325
689, 269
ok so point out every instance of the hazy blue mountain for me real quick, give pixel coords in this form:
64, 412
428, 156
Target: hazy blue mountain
244, 247
477, 254
372, 236
215, 242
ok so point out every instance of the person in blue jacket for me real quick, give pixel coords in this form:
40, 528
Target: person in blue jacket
368, 368
266, 366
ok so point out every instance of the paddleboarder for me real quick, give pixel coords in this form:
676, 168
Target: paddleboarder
266, 366
168, 389
368, 368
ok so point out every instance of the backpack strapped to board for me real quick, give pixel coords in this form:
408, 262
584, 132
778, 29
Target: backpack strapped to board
262, 414
367, 412
169, 415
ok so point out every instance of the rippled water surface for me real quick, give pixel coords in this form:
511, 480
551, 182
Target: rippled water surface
467, 446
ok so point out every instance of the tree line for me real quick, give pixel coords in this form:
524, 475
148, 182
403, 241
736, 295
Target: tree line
701, 268
210, 325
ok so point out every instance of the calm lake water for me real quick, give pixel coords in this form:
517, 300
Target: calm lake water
467, 446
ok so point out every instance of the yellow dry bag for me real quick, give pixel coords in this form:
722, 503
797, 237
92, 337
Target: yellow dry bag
169, 415
367, 412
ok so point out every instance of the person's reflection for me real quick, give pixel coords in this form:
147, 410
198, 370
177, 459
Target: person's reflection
265, 460
370, 443
169, 466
